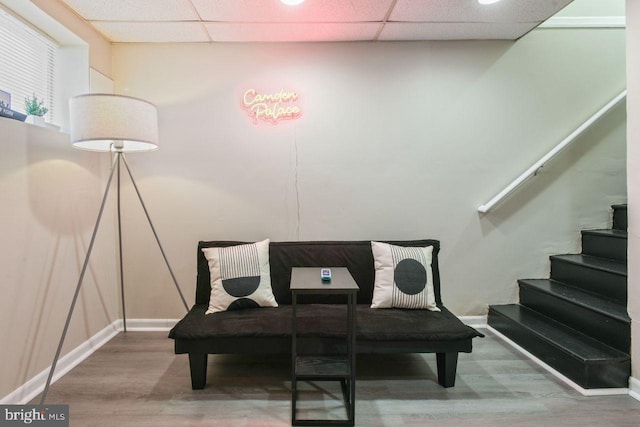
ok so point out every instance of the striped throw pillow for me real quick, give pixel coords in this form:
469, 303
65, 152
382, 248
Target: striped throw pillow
240, 277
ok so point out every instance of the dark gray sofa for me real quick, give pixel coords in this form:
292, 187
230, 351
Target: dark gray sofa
321, 318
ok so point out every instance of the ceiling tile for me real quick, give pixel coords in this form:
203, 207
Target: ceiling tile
471, 11
313, 20
134, 10
291, 32
309, 11
152, 32
457, 31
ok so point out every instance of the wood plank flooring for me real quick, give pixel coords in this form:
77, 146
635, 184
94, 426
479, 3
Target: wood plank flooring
136, 380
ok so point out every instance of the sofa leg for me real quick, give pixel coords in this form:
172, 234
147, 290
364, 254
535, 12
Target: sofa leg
447, 365
198, 366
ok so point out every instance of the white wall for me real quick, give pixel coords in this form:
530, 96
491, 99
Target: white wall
593, 8
396, 141
633, 180
49, 199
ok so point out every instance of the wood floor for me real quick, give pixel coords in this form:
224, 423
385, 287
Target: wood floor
136, 380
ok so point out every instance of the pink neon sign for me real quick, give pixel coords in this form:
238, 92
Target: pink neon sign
271, 107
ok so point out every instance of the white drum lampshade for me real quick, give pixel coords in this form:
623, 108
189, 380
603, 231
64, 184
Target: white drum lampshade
104, 122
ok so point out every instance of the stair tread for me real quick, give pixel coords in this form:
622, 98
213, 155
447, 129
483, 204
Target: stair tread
580, 297
580, 346
620, 234
599, 263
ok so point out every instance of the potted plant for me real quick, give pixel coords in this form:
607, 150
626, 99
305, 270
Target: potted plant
35, 110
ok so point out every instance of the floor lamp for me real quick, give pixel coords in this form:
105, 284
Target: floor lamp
116, 124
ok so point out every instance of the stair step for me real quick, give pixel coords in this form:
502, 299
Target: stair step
605, 243
588, 362
598, 275
591, 314
620, 217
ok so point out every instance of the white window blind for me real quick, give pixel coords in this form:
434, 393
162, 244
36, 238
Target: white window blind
27, 64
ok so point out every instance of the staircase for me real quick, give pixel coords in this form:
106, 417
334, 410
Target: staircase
576, 321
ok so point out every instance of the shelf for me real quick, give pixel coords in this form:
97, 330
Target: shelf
322, 367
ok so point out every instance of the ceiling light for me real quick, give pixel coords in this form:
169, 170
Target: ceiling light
488, 1
292, 2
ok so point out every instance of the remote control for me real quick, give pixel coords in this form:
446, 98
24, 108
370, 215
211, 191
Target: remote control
325, 274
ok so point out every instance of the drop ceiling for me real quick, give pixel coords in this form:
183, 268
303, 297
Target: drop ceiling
181, 21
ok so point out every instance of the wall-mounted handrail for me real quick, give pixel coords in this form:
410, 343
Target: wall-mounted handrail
533, 170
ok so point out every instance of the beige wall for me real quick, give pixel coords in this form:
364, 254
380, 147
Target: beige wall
633, 177
396, 141
49, 198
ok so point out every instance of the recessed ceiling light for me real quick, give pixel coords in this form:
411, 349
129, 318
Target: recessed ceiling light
488, 1
292, 2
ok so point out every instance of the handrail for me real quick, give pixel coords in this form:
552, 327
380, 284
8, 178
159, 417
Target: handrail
535, 168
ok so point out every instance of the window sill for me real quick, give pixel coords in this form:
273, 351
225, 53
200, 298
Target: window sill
5, 121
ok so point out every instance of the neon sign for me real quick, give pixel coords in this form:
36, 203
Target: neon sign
271, 107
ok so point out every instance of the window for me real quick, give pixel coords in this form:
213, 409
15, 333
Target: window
27, 64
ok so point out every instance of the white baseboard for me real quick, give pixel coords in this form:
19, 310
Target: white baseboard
32, 388
474, 321
147, 325
634, 388
35, 385
569, 382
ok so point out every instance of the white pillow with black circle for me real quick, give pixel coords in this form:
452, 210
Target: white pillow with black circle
403, 277
240, 277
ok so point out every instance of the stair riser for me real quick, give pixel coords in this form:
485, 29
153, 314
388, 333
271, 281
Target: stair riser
620, 218
604, 246
602, 375
612, 332
610, 285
